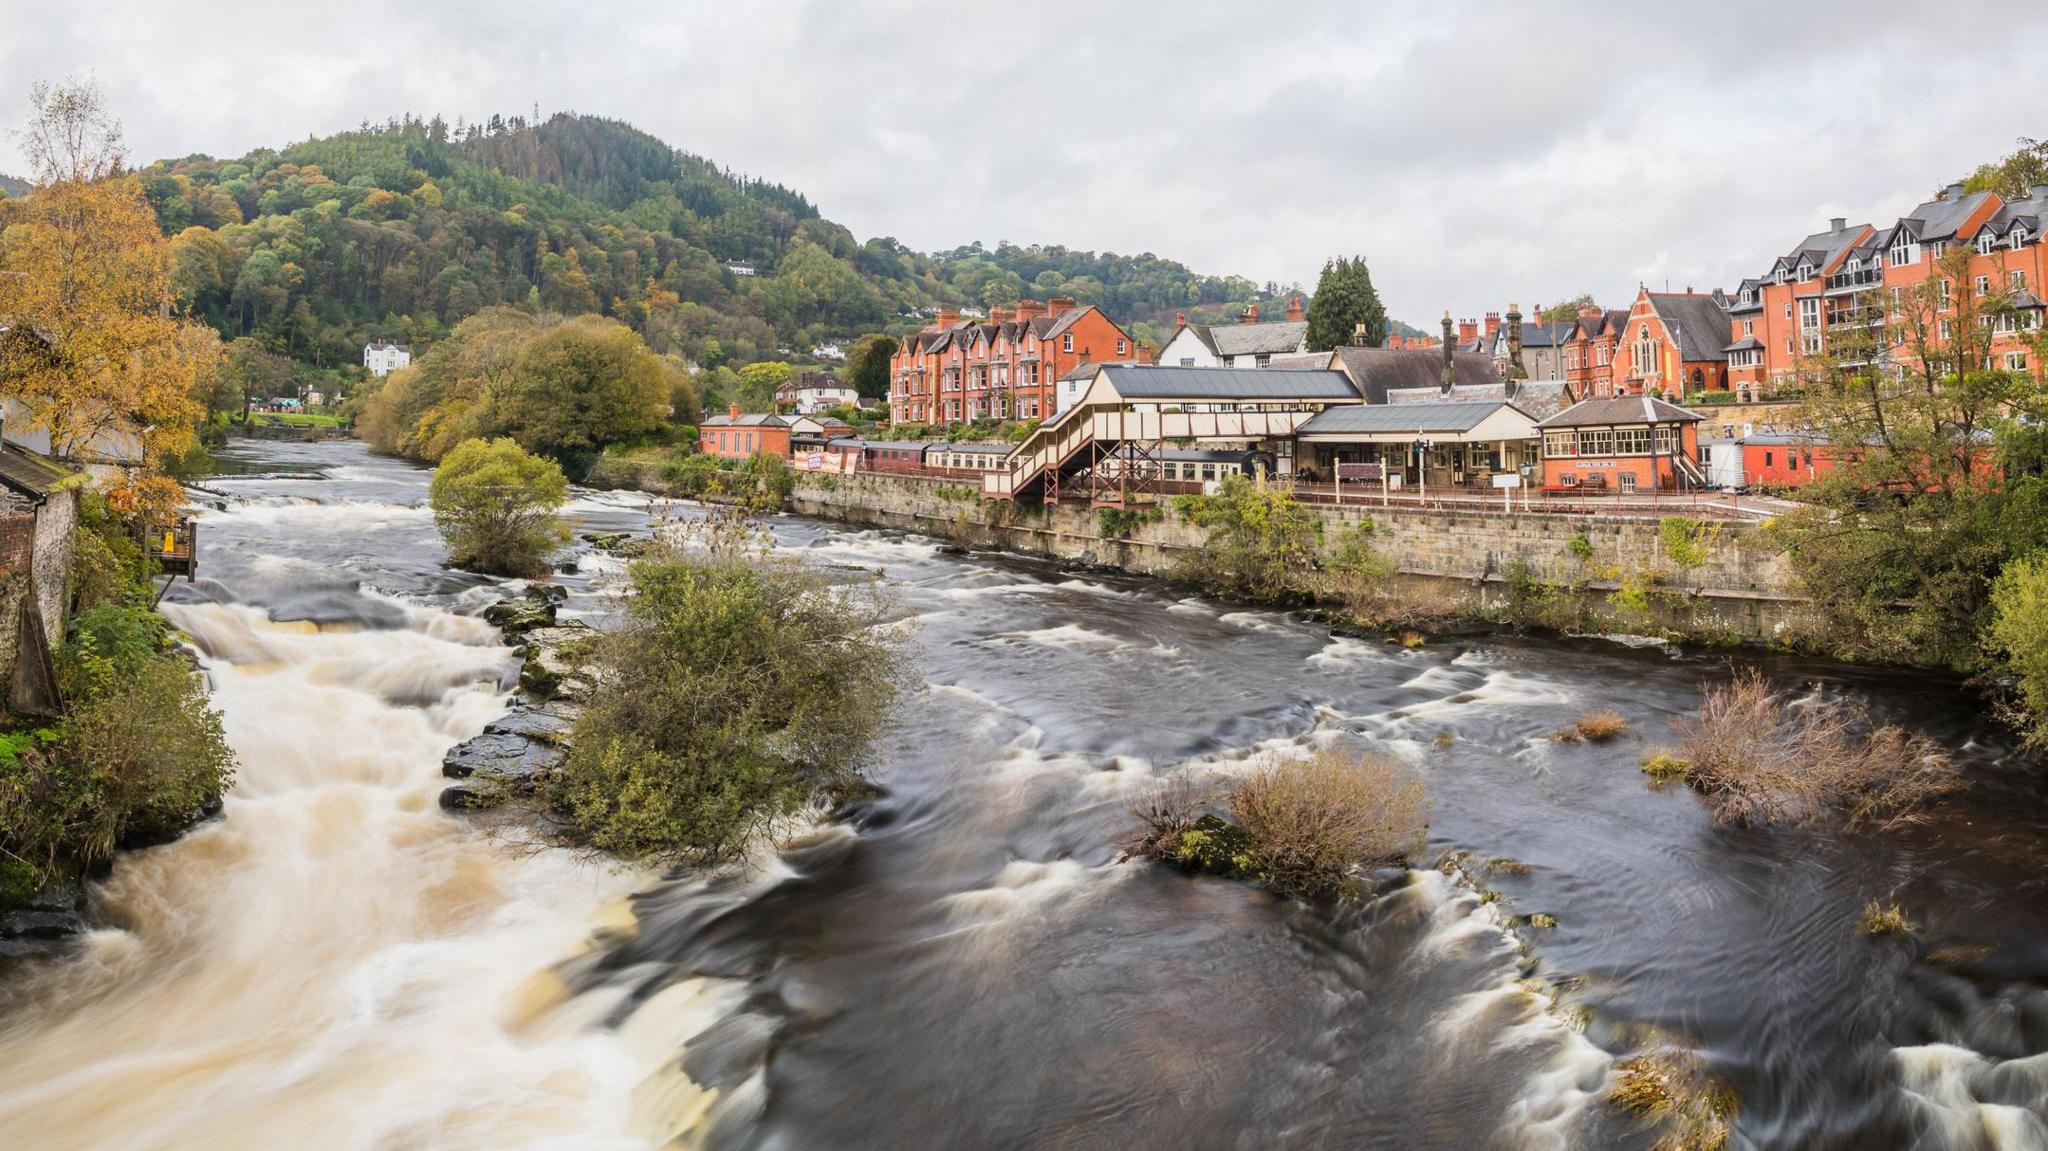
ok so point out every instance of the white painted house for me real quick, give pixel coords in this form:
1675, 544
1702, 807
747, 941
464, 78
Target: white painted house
1246, 344
382, 357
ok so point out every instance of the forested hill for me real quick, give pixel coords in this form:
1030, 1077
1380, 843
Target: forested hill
401, 230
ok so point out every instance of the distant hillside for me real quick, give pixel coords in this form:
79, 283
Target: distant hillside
10, 186
400, 231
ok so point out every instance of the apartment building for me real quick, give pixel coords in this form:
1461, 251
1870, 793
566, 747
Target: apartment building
1003, 367
1785, 316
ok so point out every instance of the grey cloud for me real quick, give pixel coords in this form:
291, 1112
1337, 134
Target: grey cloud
1476, 152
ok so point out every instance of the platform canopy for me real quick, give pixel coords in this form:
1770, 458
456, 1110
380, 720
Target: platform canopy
1481, 422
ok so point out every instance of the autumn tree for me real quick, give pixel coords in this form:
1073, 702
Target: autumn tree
96, 350
758, 383
578, 386
1344, 302
1568, 310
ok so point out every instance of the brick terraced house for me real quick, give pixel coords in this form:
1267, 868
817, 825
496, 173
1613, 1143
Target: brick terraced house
1003, 368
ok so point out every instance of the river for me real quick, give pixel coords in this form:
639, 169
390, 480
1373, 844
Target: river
962, 962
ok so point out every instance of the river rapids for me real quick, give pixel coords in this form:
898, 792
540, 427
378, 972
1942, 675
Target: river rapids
963, 962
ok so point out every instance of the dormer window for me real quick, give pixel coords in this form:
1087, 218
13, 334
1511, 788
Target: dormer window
1805, 271
2019, 235
1985, 243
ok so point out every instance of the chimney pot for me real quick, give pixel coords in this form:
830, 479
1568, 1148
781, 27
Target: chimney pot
1294, 312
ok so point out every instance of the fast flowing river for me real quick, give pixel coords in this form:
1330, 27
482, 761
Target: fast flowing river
962, 962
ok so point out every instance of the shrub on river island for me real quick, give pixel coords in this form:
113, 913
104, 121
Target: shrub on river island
741, 685
1661, 765
1600, 726
1884, 919
499, 507
1760, 758
1670, 1088
1299, 826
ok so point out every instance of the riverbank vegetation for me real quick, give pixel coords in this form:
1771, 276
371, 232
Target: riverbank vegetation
742, 685
1301, 826
137, 754
1760, 757
1940, 479
498, 507
1670, 1087
96, 352
563, 388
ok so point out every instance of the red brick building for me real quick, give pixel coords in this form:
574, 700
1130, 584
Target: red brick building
1586, 351
1782, 318
1003, 368
738, 437
1672, 344
1623, 443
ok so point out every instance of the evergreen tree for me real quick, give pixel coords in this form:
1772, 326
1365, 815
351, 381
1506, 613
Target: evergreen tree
1345, 299
867, 366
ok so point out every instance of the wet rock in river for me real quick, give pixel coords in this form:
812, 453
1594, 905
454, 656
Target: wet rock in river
526, 613
471, 797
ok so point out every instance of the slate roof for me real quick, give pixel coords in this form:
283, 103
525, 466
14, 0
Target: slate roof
1264, 338
1376, 371
1539, 398
1699, 324
972, 449
1460, 393
1615, 411
1420, 418
1745, 344
1821, 248
1152, 381
30, 474
1541, 335
746, 420
1938, 219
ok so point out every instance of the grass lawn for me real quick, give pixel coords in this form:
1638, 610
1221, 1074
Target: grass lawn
296, 419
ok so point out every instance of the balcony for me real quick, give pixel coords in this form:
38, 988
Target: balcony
1855, 281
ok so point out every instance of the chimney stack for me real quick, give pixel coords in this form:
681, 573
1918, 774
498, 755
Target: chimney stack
1058, 304
948, 317
733, 410
1589, 311
1146, 352
1449, 374
1027, 309
1180, 320
1952, 192
1250, 315
1468, 331
999, 315
1294, 313
1515, 369
1835, 224
1492, 326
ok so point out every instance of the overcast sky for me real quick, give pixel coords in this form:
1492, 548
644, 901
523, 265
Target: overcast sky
1476, 153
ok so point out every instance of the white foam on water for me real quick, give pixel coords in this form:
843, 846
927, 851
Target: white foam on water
1260, 621
1066, 637
1947, 1083
335, 963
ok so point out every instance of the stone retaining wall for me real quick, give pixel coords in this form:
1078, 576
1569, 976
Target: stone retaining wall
1742, 589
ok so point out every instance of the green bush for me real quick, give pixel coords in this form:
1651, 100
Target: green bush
1260, 545
139, 754
742, 684
2019, 632
498, 507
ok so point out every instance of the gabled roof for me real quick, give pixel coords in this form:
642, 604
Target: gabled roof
1266, 338
1614, 411
1698, 324
1939, 218
1152, 381
1375, 371
1086, 369
747, 420
1421, 419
